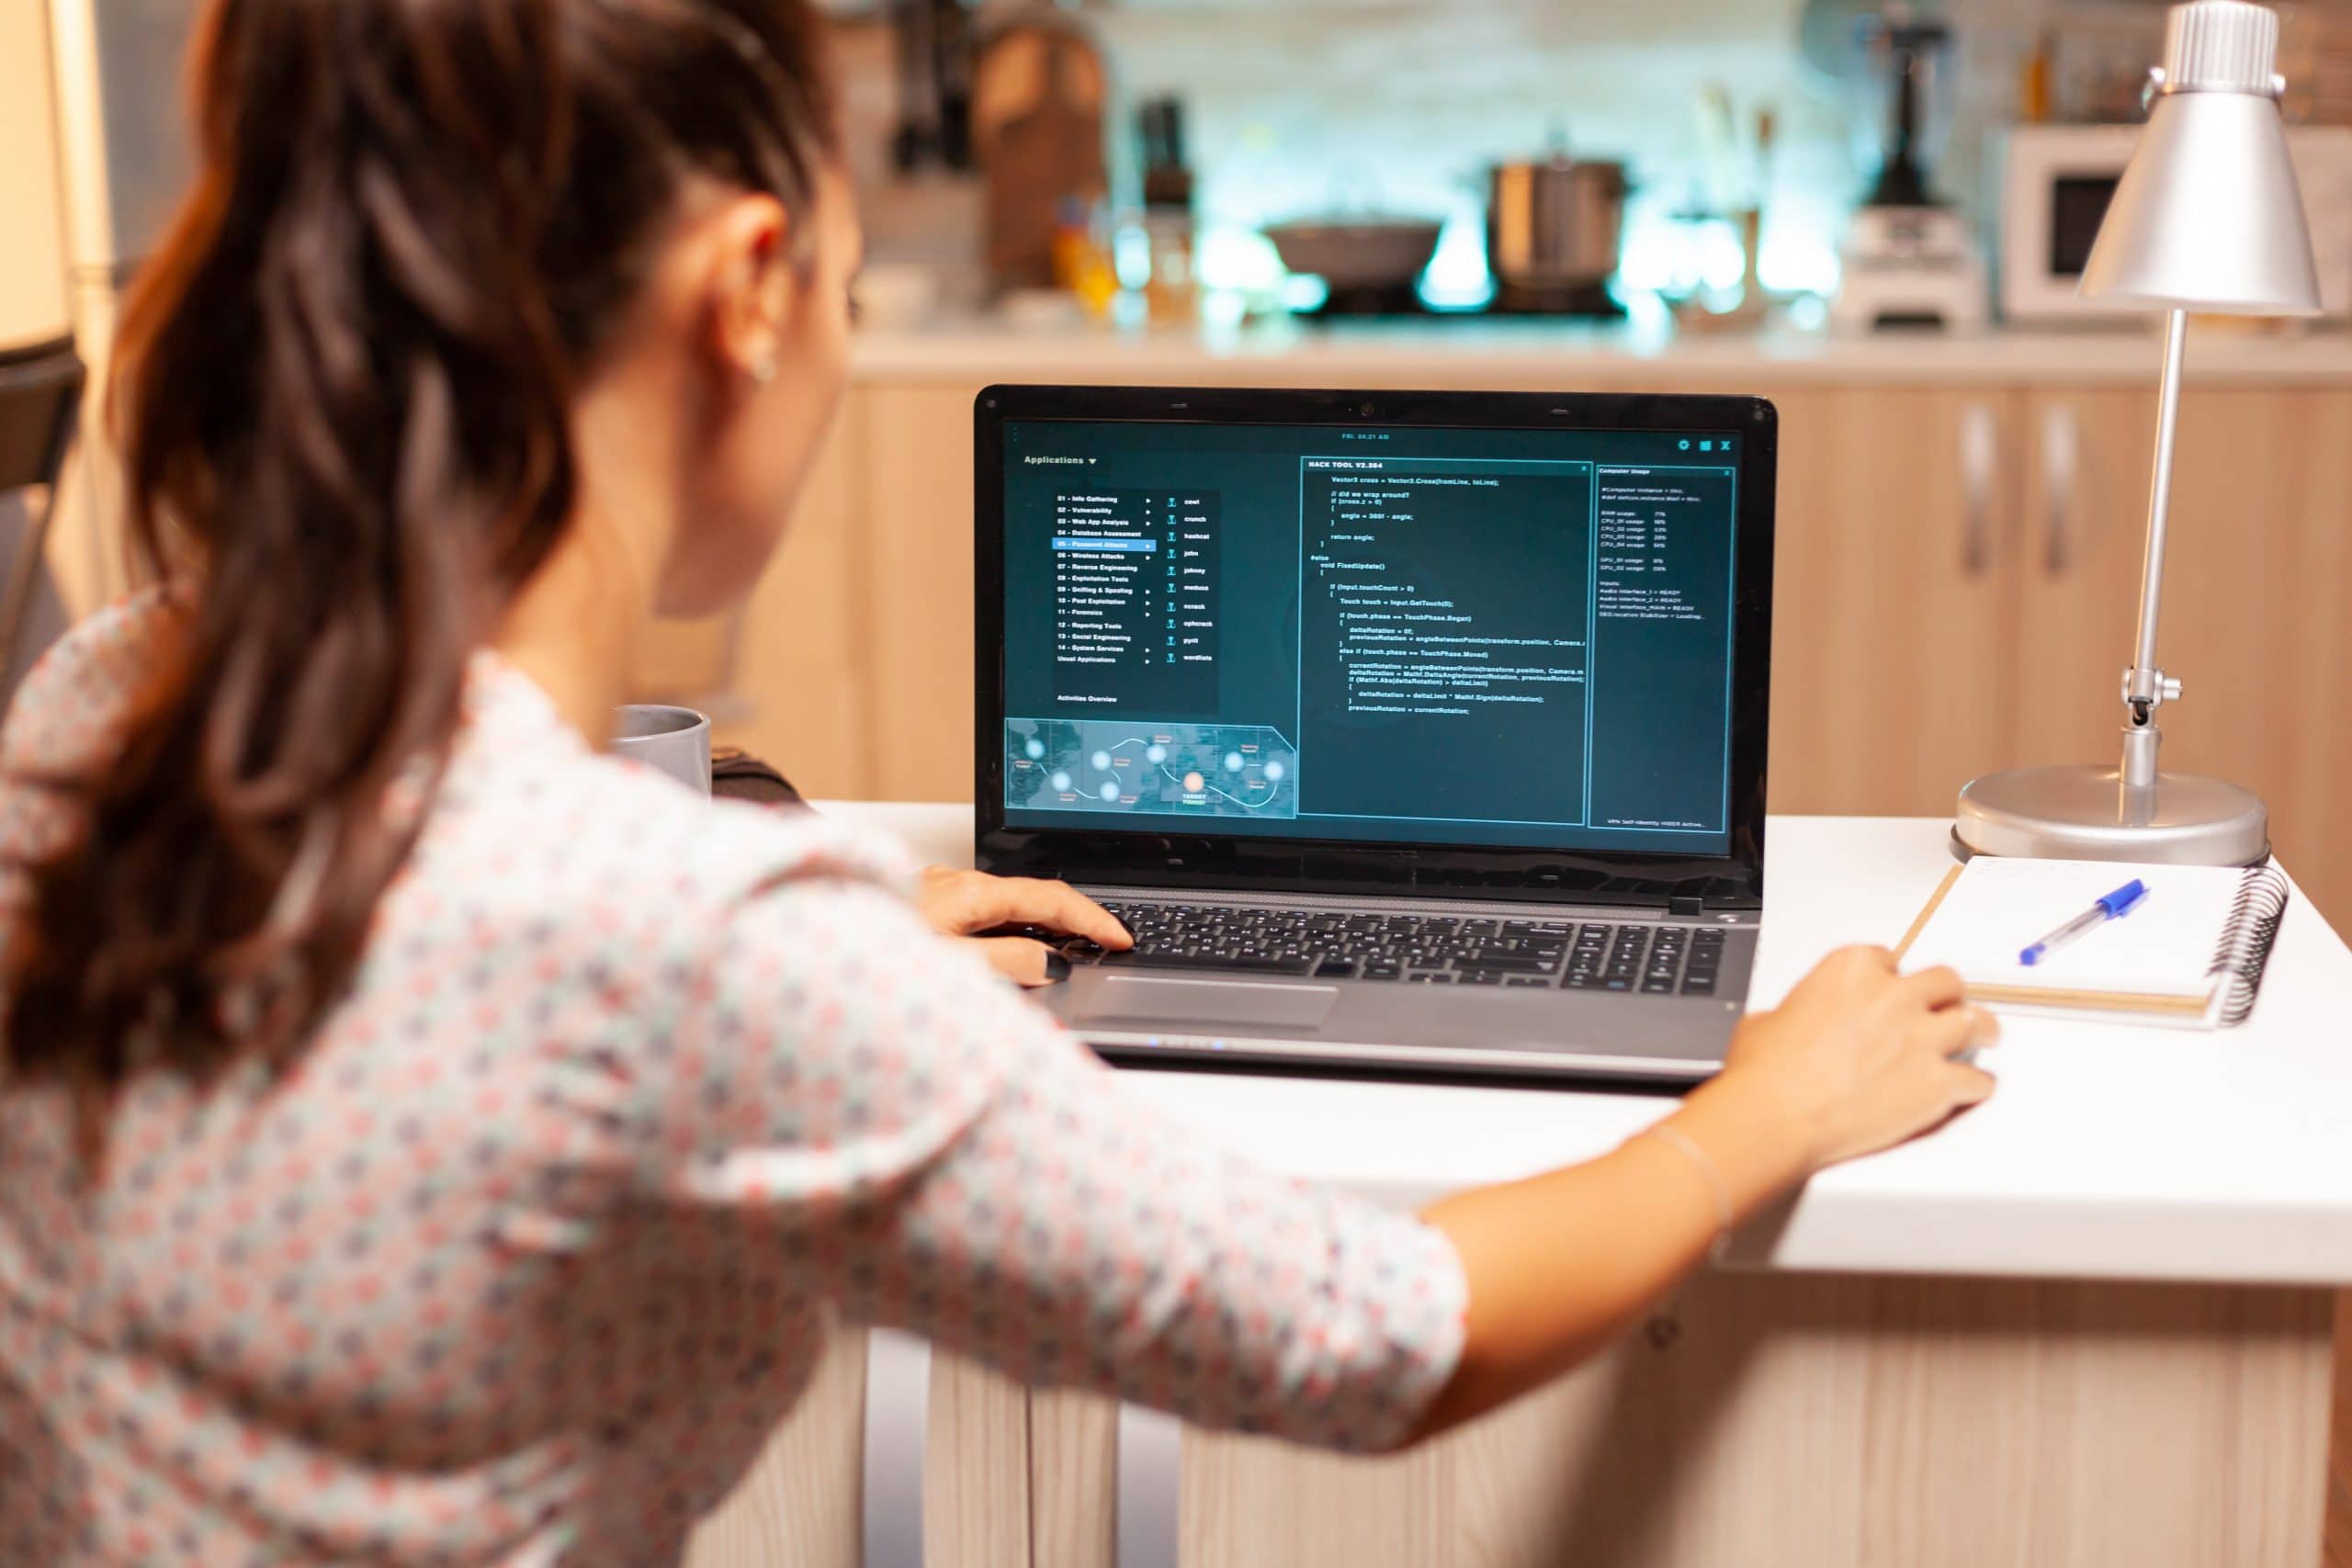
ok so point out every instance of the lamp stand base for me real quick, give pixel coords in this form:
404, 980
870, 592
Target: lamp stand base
2088, 813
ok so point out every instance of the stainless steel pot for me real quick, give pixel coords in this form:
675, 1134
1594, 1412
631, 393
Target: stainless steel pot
1554, 222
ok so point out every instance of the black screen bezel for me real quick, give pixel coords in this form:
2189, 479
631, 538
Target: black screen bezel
1149, 859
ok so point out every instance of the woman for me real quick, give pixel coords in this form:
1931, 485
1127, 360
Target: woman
422, 1139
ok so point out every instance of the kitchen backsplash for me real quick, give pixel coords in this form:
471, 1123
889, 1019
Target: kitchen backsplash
1320, 108
1316, 107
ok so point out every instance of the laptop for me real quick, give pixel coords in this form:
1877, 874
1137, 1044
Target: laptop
1404, 730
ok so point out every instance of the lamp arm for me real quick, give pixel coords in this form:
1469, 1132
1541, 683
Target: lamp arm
2145, 685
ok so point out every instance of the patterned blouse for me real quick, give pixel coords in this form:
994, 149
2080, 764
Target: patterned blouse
524, 1259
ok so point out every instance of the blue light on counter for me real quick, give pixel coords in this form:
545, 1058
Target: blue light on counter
1457, 276
1131, 257
1233, 256
1671, 254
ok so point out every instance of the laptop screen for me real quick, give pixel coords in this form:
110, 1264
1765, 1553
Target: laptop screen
1434, 634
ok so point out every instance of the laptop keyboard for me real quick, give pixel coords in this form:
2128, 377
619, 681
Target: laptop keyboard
1640, 958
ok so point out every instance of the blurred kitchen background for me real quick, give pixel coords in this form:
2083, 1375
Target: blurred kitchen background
1872, 213
1686, 116
1036, 163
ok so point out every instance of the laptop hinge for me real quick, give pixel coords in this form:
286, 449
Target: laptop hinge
1686, 905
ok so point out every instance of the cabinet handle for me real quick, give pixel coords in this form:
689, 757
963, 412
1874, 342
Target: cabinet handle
1149, 1469
2060, 465
898, 1429
1980, 465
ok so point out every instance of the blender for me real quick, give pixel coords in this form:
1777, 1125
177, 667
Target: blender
1909, 260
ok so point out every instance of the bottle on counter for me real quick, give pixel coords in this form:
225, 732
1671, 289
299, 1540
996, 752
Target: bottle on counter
1171, 294
1084, 263
2034, 82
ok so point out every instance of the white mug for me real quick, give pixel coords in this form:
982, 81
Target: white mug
672, 740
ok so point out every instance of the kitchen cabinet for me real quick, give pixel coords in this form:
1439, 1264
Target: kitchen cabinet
1890, 602
1956, 575
799, 1504
1957, 587
1011, 1478
919, 597
849, 666
1891, 598
1819, 1419
1757, 1419
2253, 623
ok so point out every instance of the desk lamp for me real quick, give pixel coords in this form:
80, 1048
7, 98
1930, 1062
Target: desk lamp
2206, 218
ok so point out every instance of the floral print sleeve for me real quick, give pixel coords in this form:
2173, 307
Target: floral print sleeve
945, 1160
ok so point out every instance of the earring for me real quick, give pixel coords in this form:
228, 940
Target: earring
763, 369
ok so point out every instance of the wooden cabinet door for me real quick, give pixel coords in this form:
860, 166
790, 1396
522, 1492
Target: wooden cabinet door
1892, 665
2257, 571
800, 1504
1893, 598
1828, 1421
918, 594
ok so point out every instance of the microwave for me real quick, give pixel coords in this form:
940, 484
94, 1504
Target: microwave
2056, 181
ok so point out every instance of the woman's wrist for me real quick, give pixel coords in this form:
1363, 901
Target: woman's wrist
1759, 1143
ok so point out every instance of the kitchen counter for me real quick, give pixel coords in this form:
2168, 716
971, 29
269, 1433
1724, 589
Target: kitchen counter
1525, 353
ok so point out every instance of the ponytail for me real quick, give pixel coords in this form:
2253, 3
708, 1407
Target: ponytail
342, 389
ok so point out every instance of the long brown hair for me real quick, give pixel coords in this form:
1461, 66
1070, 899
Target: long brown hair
342, 389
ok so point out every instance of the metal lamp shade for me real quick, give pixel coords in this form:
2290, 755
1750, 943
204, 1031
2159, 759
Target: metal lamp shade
2208, 216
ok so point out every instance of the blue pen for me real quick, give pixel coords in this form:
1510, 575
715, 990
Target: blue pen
2114, 907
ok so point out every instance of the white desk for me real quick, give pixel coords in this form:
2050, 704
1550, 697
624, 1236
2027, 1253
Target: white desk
2114, 1153
2123, 1354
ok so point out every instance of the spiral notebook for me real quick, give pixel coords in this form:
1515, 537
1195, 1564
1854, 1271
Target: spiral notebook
2191, 955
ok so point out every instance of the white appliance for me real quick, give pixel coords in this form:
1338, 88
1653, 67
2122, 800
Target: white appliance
122, 115
36, 333
1909, 267
1909, 260
2056, 181
122, 138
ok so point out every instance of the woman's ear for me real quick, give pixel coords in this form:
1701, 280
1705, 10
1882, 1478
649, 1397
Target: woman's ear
749, 277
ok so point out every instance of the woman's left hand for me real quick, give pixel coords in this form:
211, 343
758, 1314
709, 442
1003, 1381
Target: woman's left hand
958, 903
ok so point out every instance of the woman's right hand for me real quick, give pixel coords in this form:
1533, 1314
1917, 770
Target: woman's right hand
1860, 1057
1857, 1057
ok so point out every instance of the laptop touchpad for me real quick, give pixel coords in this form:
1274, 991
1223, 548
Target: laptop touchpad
1137, 998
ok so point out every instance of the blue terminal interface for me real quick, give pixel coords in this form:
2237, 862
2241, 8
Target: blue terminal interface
1434, 634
